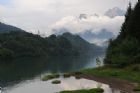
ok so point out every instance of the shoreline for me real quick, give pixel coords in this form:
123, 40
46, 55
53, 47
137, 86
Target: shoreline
125, 79
114, 83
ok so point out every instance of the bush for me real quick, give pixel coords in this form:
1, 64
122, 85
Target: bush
66, 75
56, 82
49, 77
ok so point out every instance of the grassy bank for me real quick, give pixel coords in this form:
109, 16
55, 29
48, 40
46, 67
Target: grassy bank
95, 90
131, 73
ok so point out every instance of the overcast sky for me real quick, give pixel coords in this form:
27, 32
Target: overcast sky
33, 15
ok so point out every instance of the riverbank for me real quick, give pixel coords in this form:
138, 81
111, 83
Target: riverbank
125, 79
95, 90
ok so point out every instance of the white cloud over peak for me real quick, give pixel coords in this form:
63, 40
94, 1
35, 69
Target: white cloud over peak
91, 22
49, 15
33, 14
93, 28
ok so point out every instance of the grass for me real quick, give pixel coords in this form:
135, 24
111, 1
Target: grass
125, 73
130, 73
95, 90
137, 88
49, 77
56, 82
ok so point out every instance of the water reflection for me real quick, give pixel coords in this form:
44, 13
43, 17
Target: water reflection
37, 86
26, 69
23, 75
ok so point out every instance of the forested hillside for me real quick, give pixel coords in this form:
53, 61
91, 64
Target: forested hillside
82, 45
125, 49
17, 44
4, 28
23, 44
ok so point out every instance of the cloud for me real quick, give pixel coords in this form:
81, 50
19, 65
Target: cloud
92, 22
115, 12
93, 28
45, 15
39, 14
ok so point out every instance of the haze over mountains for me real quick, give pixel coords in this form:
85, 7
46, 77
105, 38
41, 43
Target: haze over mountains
98, 38
16, 43
77, 42
93, 28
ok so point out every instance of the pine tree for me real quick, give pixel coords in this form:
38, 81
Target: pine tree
124, 27
125, 50
134, 23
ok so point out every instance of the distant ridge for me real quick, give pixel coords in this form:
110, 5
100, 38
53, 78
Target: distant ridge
4, 28
79, 43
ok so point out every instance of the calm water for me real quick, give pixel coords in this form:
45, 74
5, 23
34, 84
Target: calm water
38, 86
23, 76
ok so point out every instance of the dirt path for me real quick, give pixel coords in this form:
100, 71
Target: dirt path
115, 83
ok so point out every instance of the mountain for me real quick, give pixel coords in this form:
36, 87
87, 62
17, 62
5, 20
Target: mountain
89, 35
82, 45
4, 28
97, 38
16, 43
114, 12
125, 50
102, 36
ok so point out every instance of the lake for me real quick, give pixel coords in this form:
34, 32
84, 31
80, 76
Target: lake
24, 75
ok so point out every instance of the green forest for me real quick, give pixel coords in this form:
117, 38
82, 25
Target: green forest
22, 44
17, 44
125, 50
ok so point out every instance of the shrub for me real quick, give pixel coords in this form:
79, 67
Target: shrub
56, 82
66, 75
49, 77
